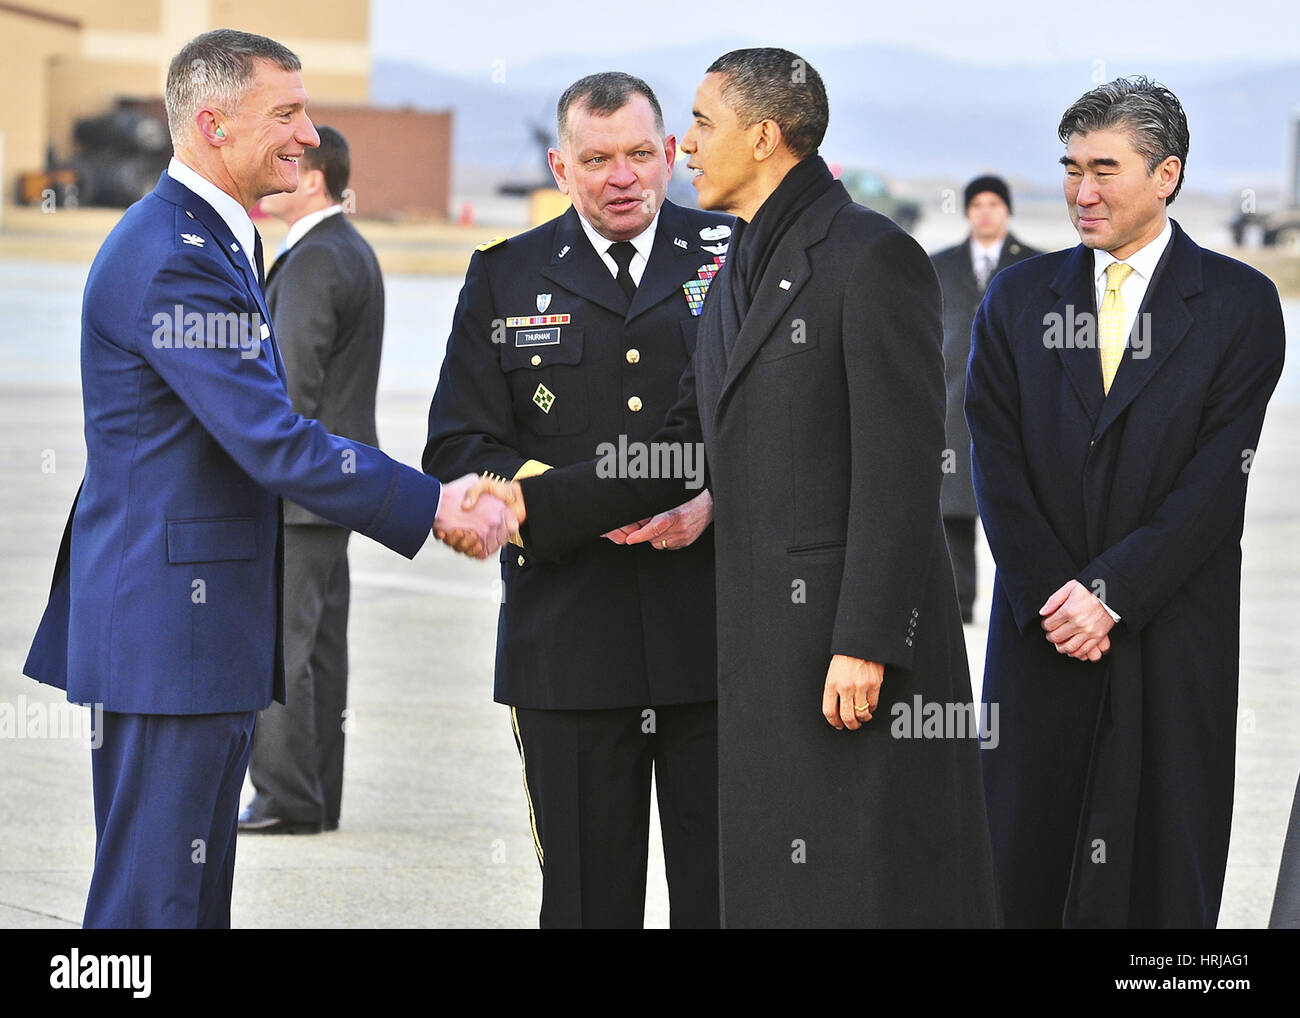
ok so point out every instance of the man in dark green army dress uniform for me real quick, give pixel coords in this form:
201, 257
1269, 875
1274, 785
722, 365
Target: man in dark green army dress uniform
568, 342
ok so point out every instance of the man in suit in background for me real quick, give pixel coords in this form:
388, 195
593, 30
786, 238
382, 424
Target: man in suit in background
166, 602
568, 337
1115, 396
965, 271
326, 297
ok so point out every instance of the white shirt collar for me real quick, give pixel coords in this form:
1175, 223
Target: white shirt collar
993, 251
1144, 260
643, 241
299, 229
225, 206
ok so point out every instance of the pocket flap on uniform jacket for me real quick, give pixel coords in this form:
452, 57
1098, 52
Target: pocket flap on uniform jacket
539, 347
222, 539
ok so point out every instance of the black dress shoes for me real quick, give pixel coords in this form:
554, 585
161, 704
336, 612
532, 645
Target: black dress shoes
252, 822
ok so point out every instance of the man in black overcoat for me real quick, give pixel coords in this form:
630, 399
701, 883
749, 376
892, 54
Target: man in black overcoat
1115, 396
849, 788
568, 341
965, 271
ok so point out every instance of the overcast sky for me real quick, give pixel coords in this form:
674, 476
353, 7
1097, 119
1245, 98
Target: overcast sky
466, 37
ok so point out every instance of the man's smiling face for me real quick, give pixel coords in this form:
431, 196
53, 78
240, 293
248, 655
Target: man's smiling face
1115, 202
267, 133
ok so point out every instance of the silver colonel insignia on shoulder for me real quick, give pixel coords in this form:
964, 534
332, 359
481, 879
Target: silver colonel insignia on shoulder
193, 238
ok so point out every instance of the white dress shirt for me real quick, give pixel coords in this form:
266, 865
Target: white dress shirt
1134, 289
978, 253
643, 242
225, 206
299, 229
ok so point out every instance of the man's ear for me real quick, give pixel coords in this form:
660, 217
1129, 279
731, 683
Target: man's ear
209, 126
766, 139
315, 181
559, 170
1167, 176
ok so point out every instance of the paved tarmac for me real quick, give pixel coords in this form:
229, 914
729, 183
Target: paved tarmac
434, 829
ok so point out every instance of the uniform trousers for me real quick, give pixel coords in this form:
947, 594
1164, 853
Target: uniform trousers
587, 775
166, 808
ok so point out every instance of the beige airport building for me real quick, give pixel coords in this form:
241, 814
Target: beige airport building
69, 59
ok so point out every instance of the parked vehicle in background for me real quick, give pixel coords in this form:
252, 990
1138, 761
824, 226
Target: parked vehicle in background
866, 187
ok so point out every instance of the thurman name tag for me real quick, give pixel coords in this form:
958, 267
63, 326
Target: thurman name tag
537, 337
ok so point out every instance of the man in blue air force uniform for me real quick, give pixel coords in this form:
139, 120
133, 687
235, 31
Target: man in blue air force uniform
166, 602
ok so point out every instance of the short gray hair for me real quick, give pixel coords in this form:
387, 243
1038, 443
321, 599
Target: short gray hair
215, 69
604, 94
774, 84
1149, 112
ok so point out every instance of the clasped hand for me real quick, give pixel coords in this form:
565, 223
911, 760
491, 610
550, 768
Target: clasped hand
672, 529
1077, 622
475, 515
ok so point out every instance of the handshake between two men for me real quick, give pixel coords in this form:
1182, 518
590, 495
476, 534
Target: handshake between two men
479, 514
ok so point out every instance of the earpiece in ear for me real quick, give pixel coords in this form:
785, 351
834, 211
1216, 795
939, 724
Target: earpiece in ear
220, 133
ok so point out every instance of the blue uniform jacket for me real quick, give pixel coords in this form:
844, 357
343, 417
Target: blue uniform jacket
167, 590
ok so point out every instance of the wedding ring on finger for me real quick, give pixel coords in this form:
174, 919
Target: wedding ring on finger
864, 709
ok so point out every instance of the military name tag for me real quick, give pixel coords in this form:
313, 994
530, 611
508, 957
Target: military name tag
537, 337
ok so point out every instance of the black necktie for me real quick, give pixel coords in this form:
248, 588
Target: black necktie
623, 253
257, 254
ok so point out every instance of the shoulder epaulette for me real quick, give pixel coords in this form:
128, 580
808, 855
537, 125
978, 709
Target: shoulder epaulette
491, 244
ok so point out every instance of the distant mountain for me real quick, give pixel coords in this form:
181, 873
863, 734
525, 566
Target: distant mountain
906, 113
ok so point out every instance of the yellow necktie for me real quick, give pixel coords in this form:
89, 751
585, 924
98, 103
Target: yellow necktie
1110, 323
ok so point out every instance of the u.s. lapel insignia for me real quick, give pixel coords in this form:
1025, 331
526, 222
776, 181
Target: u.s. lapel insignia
679, 242
698, 288
194, 239
543, 302
543, 397
563, 251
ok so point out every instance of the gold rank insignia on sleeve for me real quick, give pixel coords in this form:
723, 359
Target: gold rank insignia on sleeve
487, 246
